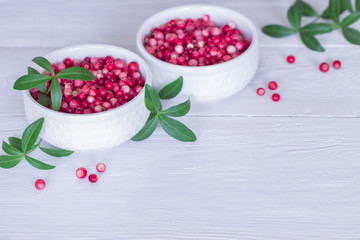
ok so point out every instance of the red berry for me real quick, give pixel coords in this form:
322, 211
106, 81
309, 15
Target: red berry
324, 67
81, 172
93, 178
337, 64
100, 167
276, 97
273, 85
133, 66
260, 91
290, 59
40, 184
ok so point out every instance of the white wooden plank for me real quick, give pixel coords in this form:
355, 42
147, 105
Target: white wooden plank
245, 178
29, 24
305, 91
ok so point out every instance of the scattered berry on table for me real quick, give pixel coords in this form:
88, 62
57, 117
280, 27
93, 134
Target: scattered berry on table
81, 172
337, 64
260, 91
275, 97
273, 85
93, 178
100, 167
324, 67
40, 184
290, 59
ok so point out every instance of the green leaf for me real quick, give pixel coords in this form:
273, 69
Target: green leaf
357, 7
152, 99
34, 147
311, 42
307, 9
335, 10
352, 35
349, 20
76, 73
294, 15
176, 129
31, 134
44, 99
326, 14
278, 31
317, 28
10, 149
147, 130
42, 87
178, 110
30, 81
45, 64
172, 89
15, 142
10, 161
151, 116
56, 152
38, 164
346, 5
56, 94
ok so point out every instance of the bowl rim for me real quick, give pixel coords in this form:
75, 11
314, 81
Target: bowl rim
142, 29
46, 111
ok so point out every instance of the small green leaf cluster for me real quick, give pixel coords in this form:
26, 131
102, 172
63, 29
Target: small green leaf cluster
171, 126
36, 80
308, 32
18, 149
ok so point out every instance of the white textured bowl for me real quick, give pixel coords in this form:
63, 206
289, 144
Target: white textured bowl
206, 83
97, 130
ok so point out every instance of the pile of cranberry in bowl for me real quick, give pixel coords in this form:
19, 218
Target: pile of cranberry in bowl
215, 49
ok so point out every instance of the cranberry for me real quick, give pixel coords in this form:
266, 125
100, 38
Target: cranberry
93, 178
100, 167
81, 172
275, 97
40, 184
273, 85
324, 67
133, 66
260, 91
290, 59
337, 64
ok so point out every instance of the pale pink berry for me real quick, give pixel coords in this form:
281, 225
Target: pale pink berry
40, 184
81, 172
100, 167
260, 91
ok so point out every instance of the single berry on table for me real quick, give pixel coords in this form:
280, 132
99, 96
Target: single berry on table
290, 59
93, 178
275, 97
273, 85
324, 67
337, 64
81, 172
100, 167
260, 91
40, 184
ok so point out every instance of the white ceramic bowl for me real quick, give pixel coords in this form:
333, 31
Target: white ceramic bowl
206, 83
97, 130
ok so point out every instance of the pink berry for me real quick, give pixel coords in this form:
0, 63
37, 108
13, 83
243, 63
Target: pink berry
324, 67
290, 59
40, 184
133, 66
93, 178
276, 97
260, 91
337, 64
81, 172
273, 85
100, 167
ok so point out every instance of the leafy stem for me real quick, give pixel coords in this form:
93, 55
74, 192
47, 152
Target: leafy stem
36, 80
172, 127
309, 32
18, 149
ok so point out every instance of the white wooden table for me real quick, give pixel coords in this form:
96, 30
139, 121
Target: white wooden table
259, 170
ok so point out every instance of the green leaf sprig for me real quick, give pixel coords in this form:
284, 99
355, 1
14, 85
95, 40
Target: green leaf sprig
308, 32
18, 149
36, 80
172, 127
